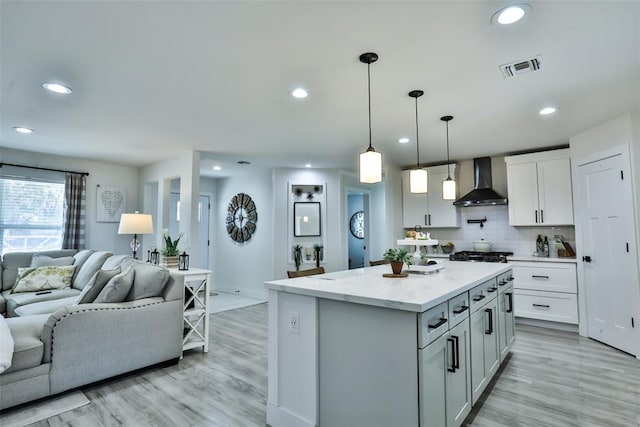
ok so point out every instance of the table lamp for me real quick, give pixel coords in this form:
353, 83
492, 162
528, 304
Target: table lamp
135, 223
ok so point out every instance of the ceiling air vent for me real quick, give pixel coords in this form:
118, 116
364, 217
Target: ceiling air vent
520, 67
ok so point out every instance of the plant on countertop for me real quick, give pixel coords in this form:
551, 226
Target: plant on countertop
170, 246
297, 256
398, 255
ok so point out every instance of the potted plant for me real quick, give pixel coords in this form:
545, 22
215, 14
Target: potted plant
317, 248
170, 252
297, 256
397, 257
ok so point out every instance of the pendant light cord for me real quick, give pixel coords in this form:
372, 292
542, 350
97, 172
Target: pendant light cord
417, 138
448, 171
369, 92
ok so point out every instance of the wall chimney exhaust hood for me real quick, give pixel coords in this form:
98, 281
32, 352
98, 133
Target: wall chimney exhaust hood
482, 194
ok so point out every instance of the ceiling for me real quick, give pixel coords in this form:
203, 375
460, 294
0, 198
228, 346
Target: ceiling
153, 78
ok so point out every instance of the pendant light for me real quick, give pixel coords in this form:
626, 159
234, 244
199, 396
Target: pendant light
448, 185
418, 179
370, 165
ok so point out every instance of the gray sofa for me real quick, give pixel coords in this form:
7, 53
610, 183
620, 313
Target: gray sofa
60, 344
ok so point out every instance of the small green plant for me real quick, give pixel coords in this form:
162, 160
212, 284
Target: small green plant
170, 246
398, 255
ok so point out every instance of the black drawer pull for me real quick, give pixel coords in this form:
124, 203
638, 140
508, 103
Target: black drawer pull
478, 298
441, 322
492, 289
542, 305
510, 296
452, 368
462, 309
540, 277
489, 331
510, 279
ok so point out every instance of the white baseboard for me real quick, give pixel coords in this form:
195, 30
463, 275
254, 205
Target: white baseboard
567, 327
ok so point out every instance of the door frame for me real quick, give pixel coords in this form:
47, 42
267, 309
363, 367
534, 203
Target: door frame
621, 150
366, 197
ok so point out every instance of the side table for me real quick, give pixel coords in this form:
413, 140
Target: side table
195, 307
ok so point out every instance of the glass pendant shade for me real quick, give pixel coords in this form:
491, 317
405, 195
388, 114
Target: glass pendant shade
449, 189
418, 181
370, 167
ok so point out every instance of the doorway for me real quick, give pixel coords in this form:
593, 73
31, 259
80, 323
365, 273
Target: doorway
357, 229
199, 257
608, 257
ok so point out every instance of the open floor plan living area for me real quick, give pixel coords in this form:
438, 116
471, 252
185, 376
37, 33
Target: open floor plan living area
320, 213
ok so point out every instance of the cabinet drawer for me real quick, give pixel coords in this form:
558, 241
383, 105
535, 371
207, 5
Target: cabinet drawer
504, 280
482, 294
433, 323
552, 277
458, 309
554, 306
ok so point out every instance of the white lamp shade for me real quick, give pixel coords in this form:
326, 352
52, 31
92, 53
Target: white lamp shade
370, 167
135, 223
449, 189
418, 181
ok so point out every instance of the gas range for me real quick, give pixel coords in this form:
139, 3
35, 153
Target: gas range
480, 256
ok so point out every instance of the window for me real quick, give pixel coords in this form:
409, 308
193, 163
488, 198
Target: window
31, 214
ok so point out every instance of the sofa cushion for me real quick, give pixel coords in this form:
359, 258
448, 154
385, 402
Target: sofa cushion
3, 300
23, 298
44, 260
96, 284
11, 261
122, 261
28, 348
117, 289
6, 346
148, 281
43, 278
79, 259
89, 268
45, 307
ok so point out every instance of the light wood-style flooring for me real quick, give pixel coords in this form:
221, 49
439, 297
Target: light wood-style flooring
551, 379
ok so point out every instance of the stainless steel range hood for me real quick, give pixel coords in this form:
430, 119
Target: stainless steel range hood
482, 194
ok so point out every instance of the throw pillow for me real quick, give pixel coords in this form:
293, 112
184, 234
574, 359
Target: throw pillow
34, 279
96, 285
149, 281
89, 268
117, 289
44, 260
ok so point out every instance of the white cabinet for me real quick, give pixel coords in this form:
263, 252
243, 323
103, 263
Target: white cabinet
506, 321
434, 362
195, 308
539, 188
458, 387
546, 291
429, 209
485, 356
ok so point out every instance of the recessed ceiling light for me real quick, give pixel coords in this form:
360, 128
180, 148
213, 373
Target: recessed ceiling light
547, 110
57, 88
510, 14
403, 140
308, 165
244, 162
299, 93
21, 129
217, 168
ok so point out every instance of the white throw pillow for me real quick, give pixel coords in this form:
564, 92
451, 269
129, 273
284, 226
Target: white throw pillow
43, 278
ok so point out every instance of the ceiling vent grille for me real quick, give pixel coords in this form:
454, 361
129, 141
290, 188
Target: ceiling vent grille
520, 67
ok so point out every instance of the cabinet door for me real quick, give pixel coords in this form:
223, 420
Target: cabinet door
434, 361
554, 192
414, 206
478, 374
441, 213
523, 194
458, 387
506, 322
491, 340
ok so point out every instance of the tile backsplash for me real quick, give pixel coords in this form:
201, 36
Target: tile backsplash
519, 240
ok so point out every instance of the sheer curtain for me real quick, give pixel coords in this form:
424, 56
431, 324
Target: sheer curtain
75, 195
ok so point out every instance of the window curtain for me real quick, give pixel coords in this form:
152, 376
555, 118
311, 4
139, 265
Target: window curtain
75, 203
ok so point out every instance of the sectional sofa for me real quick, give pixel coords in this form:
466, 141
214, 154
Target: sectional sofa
61, 342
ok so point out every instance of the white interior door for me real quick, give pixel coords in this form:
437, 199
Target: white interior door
608, 255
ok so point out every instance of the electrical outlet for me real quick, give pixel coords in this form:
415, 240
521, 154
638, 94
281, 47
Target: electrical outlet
294, 322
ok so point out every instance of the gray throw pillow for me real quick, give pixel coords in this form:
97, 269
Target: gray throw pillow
149, 281
79, 259
89, 268
117, 289
46, 261
96, 285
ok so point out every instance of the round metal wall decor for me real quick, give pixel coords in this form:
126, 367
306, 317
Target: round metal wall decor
356, 225
241, 218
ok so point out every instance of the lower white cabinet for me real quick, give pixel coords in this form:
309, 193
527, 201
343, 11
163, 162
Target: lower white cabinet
506, 321
435, 360
458, 387
485, 357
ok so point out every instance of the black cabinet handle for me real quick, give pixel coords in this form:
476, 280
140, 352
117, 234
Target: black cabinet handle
452, 368
462, 309
510, 279
425, 220
478, 298
535, 276
429, 219
542, 216
441, 322
586, 258
489, 311
456, 363
510, 296
536, 216
542, 305
492, 289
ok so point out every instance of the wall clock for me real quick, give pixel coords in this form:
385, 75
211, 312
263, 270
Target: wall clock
241, 217
356, 225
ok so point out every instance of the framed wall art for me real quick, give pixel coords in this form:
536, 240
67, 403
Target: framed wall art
111, 202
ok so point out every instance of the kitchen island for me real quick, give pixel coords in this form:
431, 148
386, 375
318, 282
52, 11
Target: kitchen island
354, 348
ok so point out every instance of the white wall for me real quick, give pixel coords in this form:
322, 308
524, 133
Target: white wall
245, 266
99, 235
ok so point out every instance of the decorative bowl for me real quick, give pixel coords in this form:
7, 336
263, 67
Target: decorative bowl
446, 249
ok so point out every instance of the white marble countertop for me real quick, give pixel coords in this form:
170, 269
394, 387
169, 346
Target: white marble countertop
416, 293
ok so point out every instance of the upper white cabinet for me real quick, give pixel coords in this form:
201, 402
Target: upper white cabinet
429, 209
540, 188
